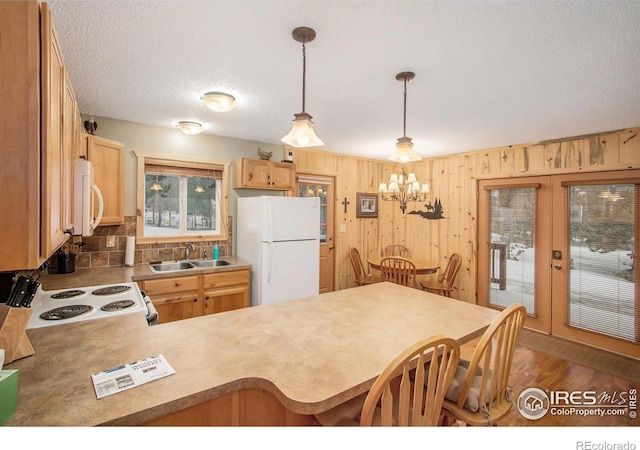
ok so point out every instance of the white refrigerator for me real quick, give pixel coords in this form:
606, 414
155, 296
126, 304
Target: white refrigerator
280, 238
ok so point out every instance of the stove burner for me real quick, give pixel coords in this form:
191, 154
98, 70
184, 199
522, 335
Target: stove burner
66, 312
68, 294
111, 290
117, 306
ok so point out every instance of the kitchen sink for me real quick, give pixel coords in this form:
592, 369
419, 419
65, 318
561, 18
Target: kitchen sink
169, 266
210, 263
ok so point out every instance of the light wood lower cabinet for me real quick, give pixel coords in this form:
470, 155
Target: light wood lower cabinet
179, 298
226, 291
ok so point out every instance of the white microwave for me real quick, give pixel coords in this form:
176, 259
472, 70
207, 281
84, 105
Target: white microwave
85, 216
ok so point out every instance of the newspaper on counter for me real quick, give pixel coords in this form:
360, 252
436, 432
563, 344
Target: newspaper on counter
130, 375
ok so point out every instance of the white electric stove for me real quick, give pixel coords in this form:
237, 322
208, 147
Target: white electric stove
89, 303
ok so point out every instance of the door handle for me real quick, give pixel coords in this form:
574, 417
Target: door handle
557, 267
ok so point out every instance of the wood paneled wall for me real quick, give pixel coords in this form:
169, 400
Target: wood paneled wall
453, 180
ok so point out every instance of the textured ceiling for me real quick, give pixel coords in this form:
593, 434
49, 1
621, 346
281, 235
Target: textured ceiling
488, 73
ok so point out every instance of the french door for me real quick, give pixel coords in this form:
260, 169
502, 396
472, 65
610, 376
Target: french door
565, 246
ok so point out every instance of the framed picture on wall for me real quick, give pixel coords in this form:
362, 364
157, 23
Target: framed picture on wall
366, 205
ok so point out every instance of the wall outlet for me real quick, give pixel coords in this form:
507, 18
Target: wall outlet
111, 241
343, 228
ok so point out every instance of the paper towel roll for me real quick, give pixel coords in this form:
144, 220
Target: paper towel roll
130, 251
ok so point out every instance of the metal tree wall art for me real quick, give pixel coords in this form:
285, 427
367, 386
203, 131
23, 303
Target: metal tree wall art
433, 212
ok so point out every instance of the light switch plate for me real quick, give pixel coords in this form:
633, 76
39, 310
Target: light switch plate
111, 241
343, 228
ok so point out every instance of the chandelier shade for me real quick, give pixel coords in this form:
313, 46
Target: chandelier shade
403, 188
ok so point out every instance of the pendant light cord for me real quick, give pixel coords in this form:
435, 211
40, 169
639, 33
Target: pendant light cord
404, 126
304, 73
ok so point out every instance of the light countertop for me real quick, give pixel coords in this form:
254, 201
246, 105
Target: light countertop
312, 354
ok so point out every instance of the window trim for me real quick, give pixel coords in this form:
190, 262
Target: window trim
144, 159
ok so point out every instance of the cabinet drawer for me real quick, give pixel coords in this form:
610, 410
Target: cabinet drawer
214, 280
169, 285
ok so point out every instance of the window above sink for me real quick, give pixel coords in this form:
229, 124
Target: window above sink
181, 200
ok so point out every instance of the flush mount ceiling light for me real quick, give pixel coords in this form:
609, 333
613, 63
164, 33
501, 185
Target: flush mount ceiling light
219, 101
404, 148
302, 134
190, 127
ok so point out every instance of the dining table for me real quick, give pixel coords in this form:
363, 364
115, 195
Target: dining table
423, 266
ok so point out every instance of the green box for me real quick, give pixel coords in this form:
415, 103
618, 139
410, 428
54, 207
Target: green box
8, 394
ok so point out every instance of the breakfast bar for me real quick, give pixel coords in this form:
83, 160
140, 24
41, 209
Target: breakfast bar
275, 364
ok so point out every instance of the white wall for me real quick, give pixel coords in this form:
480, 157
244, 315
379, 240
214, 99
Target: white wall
172, 142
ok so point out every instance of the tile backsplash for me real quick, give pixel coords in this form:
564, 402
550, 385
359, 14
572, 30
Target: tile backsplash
95, 253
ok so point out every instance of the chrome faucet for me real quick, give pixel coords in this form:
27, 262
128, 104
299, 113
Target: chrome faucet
188, 251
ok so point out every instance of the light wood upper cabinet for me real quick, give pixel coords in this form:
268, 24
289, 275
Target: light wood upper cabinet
34, 156
107, 158
56, 177
263, 174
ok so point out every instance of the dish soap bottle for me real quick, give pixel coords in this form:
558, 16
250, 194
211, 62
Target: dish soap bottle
216, 252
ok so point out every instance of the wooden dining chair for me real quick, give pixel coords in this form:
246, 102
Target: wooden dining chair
398, 270
397, 250
444, 284
479, 393
409, 392
362, 277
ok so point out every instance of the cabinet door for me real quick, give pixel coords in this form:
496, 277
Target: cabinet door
262, 174
70, 143
174, 298
53, 177
226, 291
108, 162
254, 173
283, 175
177, 306
20, 136
226, 299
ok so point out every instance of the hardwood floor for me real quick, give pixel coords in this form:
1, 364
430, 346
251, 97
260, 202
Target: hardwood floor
549, 372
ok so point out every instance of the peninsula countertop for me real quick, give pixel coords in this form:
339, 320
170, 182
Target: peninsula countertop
311, 354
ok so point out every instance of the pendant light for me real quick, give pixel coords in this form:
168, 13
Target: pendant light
302, 134
404, 148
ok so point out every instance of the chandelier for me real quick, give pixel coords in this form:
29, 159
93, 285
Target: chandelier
403, 189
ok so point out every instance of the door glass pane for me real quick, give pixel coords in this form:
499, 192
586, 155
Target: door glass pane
602, 238
317, 190
512, 263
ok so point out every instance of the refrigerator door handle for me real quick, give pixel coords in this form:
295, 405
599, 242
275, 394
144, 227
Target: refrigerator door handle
269, 230
269, 260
